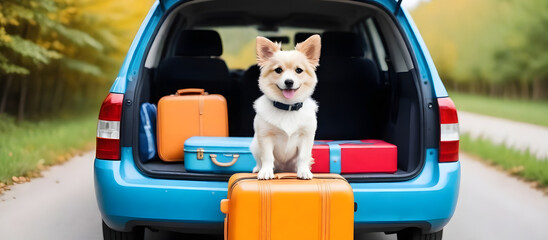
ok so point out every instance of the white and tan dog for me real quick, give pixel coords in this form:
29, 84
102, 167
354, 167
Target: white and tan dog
285, 123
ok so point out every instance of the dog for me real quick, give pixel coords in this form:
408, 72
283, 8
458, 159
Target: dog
285, 121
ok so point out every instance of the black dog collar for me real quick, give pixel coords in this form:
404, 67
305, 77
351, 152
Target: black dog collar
282, 106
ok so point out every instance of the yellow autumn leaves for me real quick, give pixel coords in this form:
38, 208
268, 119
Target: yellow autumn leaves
62, 51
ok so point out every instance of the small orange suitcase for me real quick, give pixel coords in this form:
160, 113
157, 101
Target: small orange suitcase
288, 208
190, 112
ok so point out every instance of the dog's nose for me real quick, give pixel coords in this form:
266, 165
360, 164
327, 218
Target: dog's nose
289, 83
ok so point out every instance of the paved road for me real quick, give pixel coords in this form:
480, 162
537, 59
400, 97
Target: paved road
493, 205
514, 134
61, 205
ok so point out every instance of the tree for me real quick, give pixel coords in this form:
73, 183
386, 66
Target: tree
58, 55
491, 47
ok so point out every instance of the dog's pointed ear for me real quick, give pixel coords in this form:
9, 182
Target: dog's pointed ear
311, 48
265, 50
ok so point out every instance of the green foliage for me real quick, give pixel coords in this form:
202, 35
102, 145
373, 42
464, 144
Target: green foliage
59, 55
525, 56
534, 112
26, 147
31, 50
490, 47
57, 58
11, 68
15, 14
82, 67
521, 164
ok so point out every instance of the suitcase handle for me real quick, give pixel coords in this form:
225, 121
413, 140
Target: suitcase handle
220, 164
224, 206
316, 176
189, 91
285, 176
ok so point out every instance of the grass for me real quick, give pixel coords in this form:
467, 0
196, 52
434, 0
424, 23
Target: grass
28, 147
517, 110
521, 164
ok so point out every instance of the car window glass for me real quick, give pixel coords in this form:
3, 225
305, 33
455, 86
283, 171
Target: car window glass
365, 40
380, 52
239, 43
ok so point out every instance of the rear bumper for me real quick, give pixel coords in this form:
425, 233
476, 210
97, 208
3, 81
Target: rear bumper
428, 201
127, 198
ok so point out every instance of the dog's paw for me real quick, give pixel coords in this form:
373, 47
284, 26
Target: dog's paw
304, 173
256, 169
265, 174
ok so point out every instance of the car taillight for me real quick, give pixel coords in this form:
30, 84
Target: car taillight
108, 127
449, 131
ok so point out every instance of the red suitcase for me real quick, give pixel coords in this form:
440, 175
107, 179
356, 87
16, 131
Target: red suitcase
354, 156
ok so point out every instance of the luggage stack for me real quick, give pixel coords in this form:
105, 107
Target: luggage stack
192, 127
232, 155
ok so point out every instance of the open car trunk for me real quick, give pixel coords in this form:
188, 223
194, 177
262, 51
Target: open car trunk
368, 87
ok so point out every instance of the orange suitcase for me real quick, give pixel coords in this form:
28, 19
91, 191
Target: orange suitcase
190, 112
288, 208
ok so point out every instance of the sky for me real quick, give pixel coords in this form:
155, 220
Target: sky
412, 4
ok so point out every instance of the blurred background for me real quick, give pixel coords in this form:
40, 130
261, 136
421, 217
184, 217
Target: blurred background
492, 48
58, 59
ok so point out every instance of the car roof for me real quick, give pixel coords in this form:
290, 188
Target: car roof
268, 15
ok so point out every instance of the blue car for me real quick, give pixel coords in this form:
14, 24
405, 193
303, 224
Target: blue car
376, 80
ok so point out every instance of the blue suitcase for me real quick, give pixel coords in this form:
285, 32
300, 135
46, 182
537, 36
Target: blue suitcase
147, 132
218, 154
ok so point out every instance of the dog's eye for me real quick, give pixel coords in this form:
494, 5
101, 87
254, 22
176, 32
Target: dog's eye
298, 70
278, 70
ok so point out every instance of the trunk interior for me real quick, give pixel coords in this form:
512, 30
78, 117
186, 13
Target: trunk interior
367, 86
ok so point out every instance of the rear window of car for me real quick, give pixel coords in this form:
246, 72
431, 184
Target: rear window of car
239, 43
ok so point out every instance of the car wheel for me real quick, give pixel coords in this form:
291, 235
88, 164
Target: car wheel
416, 234
137, 233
